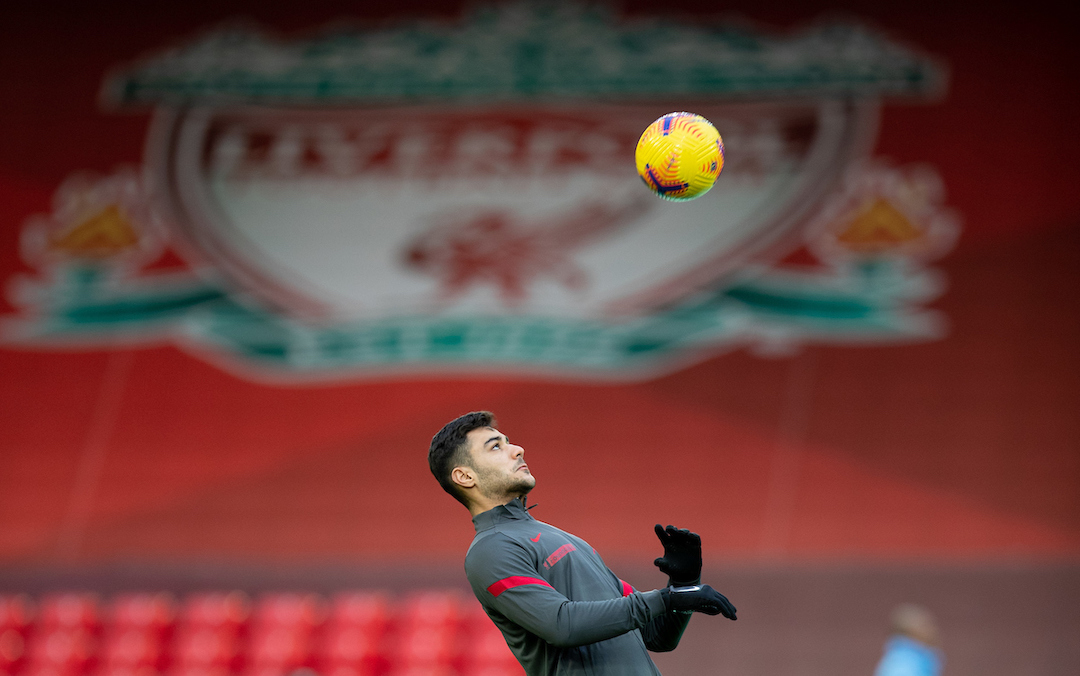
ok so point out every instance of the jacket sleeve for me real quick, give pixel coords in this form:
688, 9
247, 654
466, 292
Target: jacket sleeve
505, 579
663, 632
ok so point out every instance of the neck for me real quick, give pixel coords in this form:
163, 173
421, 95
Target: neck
481, 504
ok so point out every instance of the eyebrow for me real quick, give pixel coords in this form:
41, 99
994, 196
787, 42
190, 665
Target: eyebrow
501, 437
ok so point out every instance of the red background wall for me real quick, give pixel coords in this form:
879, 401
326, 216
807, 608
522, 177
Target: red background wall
966, 448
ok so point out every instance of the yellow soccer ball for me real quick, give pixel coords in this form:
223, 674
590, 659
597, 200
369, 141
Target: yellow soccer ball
679, 156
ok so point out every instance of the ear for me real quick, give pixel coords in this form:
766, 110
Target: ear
463, 476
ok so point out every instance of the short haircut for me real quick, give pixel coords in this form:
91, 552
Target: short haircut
450, 449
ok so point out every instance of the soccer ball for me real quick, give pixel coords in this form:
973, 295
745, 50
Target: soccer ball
679, 156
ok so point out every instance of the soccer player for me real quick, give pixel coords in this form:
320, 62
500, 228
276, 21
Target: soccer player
561, 610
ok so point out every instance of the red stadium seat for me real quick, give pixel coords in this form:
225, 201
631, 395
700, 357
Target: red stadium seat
156, 611
135, 638
216, 609
17, 611
428, 647
63, 651
427, 632
425, 670
345, 644
494, 670
279, 649
209, 634
104, 670
290, 609
64, 643
283, 629
490, 648
70, 611
432, 609
483, 650
12, 651
17, 615
195, 670
206, 648
131, 649
364, 609
346, 670
353, 640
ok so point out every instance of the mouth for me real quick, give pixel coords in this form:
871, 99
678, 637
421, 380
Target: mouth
523, 467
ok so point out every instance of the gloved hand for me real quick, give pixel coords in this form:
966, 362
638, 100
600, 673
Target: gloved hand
682, 555
698, 598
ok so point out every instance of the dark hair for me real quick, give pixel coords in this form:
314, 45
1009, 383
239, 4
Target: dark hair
449, 448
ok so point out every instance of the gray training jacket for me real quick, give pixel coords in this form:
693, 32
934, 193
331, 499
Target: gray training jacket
561, 610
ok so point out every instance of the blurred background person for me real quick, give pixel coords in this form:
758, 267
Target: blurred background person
913, 649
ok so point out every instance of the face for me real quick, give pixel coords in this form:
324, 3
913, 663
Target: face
499, 466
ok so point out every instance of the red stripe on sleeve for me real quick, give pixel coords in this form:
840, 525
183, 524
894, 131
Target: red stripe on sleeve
514, 581
627, 590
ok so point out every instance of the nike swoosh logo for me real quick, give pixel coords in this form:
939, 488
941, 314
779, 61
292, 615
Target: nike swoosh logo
536, 539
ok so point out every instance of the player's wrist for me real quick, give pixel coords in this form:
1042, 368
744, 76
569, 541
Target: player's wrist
669, 593
665, 594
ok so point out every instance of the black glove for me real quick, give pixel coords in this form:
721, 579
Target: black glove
700, 598
682, 555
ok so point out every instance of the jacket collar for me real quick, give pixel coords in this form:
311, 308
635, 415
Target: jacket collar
512, 511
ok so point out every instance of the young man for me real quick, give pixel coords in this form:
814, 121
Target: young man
561, 610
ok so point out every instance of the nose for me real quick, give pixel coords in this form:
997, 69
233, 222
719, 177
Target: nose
518, 451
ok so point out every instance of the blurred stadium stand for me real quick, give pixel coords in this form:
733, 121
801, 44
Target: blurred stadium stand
215, 633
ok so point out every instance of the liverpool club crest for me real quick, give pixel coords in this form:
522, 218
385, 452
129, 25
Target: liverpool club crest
462, 197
